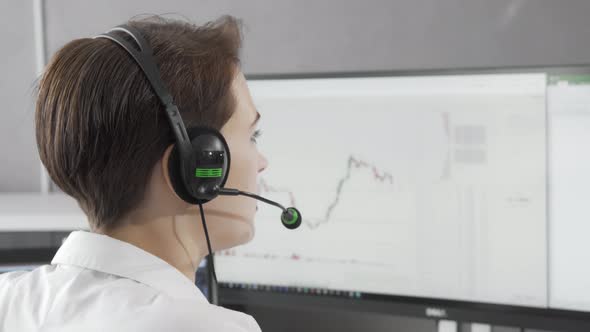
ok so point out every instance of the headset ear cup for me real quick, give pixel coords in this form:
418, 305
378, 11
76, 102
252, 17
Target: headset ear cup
174, 169
176, 178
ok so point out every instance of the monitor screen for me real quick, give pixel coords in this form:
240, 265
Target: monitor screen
467, 187
568, 105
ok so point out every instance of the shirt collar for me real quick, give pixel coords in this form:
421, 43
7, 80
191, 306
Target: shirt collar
106, 254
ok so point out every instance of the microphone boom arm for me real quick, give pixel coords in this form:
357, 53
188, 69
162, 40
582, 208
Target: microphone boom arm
291, 217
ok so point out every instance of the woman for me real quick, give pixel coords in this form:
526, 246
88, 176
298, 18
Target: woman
105, 140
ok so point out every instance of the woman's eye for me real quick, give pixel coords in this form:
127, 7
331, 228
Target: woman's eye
256, 135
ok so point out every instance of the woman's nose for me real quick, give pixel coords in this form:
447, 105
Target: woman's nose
262, 162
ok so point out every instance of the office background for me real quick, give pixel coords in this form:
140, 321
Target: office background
291, 37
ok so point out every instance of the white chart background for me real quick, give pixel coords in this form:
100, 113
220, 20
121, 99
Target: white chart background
430, 186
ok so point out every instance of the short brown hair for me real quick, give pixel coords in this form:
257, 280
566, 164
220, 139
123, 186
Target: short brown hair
99, 126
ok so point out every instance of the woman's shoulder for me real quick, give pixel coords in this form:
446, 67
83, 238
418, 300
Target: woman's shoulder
111, 303
185, 315
8, 280
11, 277
23, 278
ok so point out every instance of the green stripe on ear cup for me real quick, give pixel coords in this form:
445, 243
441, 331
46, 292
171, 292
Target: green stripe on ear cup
208, 172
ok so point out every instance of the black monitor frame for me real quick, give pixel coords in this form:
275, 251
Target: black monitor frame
433, 308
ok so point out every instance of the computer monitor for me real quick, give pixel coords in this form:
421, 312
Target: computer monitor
25, 250
449, 191
204, 281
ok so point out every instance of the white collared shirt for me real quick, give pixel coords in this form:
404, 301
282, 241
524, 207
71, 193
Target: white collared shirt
98, 283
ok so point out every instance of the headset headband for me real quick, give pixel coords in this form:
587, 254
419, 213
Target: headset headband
145, 59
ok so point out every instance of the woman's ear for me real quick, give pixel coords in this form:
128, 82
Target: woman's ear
165, 171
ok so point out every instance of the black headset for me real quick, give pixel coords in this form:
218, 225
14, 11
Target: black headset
200, 160
199, 163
